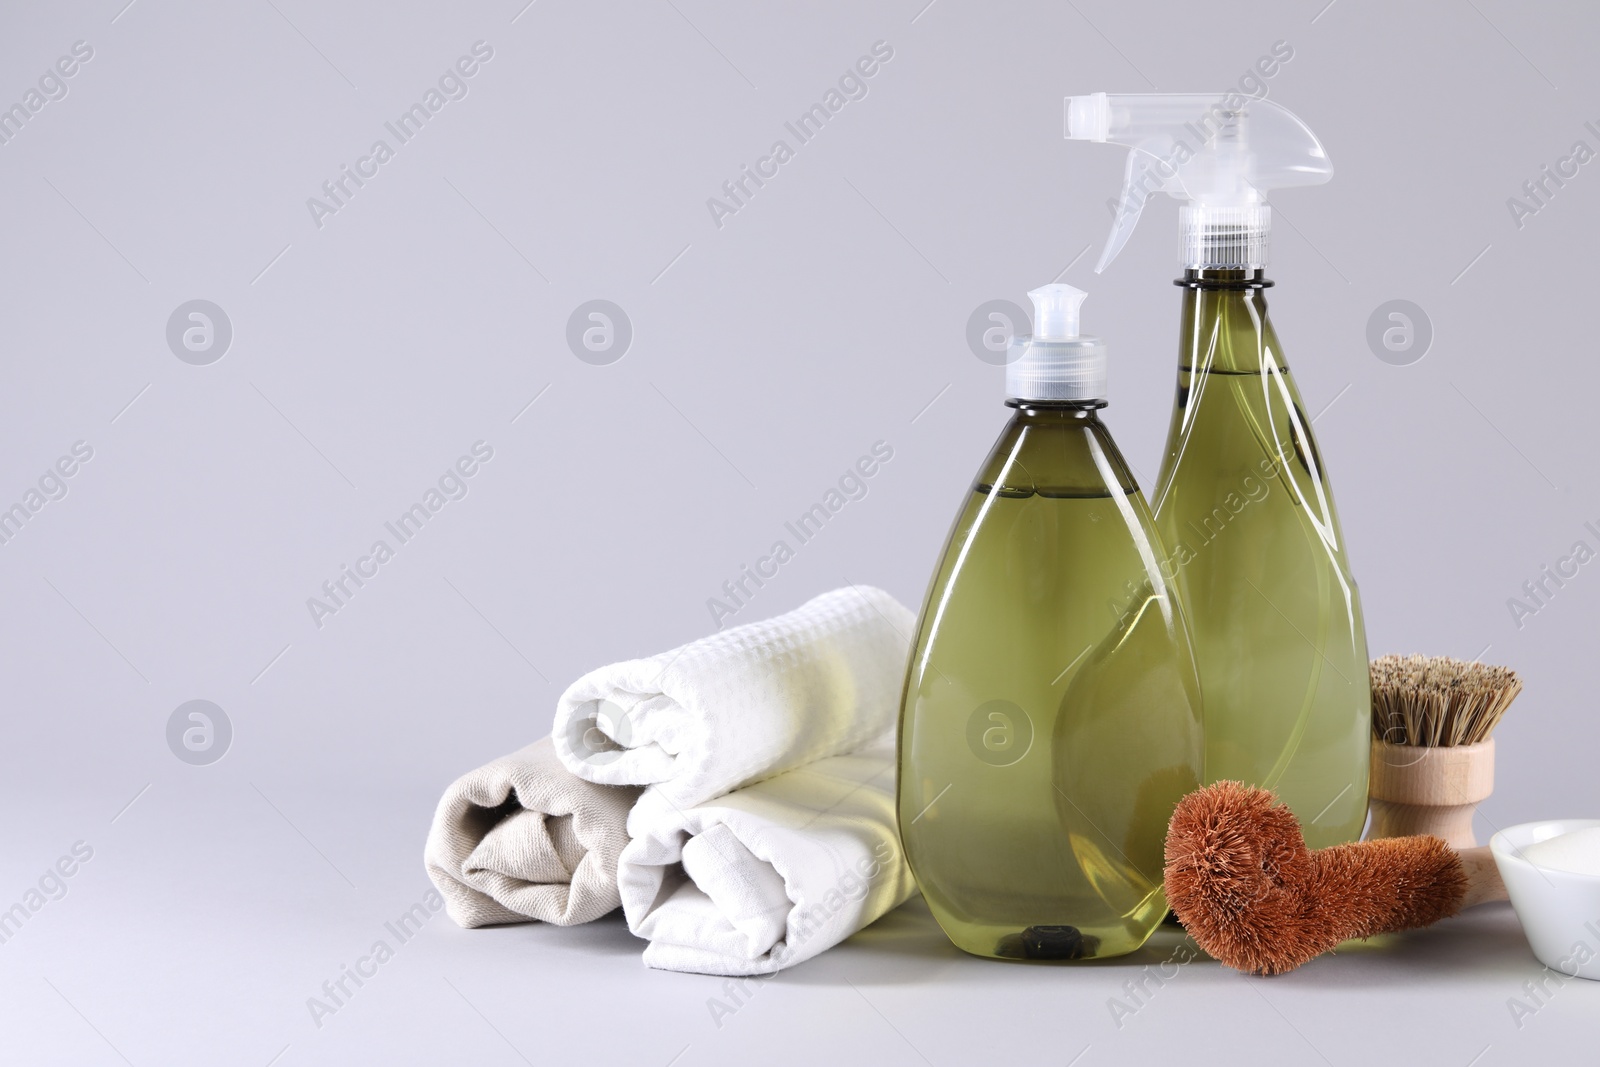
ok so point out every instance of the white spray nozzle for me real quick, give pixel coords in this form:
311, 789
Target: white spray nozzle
1055, 312
1088, 118
1056, 363
1221, 152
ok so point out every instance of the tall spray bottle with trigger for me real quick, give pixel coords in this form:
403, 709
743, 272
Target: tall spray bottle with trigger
1051, 715
1242, 501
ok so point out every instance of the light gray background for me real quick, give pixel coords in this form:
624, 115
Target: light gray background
768, 354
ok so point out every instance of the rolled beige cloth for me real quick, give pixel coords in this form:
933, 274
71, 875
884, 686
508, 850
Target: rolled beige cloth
524, 838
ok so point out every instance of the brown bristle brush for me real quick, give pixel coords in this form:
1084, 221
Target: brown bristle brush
1243, 883
1432, 756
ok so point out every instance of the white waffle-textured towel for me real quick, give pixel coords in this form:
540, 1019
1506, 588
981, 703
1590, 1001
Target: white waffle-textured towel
744, 704
769, 875
524, 838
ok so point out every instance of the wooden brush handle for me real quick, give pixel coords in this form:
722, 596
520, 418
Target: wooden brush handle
1451, 823
1416, 790
1483, 877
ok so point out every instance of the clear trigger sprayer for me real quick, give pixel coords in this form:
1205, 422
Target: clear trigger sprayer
1221, 154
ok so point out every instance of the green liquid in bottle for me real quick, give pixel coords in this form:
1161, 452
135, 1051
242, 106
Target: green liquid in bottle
1244, 508
1051, 713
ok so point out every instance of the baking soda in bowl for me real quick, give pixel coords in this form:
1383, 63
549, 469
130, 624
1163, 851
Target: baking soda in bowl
1577, 851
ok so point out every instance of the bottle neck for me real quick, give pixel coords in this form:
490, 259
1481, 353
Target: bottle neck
1214, 278
1056, 449
1056, 410
1224, 323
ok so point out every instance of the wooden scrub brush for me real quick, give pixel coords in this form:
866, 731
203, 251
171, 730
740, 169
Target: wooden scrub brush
1243, 883
1432, 756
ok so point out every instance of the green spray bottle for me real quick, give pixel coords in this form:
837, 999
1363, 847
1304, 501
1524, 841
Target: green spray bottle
1051, 715
1243, 501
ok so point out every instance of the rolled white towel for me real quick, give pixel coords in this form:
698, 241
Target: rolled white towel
744, 704
524, 838
769, 875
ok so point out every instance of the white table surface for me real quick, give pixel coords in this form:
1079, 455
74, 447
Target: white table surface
214, 907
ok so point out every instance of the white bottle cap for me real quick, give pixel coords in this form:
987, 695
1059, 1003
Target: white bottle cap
1056, 363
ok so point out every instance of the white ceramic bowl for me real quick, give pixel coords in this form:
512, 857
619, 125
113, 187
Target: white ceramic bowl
1559, 910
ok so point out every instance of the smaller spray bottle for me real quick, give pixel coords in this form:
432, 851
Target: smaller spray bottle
1243, 500
1050, 721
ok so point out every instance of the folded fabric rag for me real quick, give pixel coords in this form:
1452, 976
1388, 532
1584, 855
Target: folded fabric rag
769, 875
524, 838
744, 704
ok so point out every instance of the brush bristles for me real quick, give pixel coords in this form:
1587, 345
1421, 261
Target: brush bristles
1438, 702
